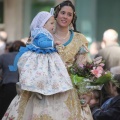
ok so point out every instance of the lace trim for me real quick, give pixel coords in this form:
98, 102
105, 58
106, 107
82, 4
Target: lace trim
35, 32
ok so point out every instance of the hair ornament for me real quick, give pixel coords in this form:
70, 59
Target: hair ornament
52, 11
59, 6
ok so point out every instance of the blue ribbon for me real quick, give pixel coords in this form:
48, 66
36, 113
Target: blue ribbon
29, 48
14, 66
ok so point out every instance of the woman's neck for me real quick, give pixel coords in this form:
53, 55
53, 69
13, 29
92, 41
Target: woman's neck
61, 31
62, 34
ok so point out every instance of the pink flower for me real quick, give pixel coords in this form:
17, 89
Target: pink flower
6, 114
102, 64
81, 65
100, 69
97, 71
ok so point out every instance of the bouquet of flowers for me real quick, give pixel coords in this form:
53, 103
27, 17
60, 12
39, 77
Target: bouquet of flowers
89, 76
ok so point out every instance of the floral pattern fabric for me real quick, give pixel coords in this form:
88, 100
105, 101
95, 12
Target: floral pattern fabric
61, 106
43, 73
54, 107
12, 111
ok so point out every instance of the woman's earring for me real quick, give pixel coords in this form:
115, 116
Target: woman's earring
71, 26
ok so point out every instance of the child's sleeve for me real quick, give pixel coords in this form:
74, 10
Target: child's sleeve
44, 42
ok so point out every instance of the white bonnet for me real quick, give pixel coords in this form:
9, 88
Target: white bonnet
40, 19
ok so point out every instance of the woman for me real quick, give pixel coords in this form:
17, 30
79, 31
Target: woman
73, 47
60, 106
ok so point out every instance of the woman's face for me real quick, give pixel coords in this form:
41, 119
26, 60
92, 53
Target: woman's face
65, 16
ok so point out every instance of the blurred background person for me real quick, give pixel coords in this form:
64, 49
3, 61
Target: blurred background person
9, 79
111, 52
8, 46
102, 44
3, 40
95, 102
3, 36
110, 110
25, 40
2, 47
115, 70
94, 48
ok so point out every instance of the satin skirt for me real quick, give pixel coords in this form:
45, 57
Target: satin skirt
60, 106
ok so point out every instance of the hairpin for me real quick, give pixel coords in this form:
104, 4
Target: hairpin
59, 6
52, 11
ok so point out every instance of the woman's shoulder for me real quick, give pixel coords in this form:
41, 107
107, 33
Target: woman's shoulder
81, 37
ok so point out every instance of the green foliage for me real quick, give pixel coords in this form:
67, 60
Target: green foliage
76, 79
103, 79
89, 76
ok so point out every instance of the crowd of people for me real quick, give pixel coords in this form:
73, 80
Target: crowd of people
35, 83
8, 79
105, 102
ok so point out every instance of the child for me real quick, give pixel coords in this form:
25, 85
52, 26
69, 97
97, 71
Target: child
41, 69
110, 110
96, 100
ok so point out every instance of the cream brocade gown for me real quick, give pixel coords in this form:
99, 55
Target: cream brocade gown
60, 106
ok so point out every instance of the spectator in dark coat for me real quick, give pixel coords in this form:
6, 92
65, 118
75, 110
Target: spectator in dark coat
110, 110
9, 79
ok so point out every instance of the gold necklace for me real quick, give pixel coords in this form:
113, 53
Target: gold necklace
58, 37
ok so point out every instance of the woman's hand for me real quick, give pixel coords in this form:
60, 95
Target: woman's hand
57, 42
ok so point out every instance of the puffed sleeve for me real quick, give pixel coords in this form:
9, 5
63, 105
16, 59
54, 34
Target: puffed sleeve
82, 57
43, 41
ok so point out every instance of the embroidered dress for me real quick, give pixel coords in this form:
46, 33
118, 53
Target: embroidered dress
61, 106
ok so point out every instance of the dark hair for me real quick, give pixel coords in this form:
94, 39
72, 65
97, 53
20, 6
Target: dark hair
98, 96
66, 3
117, 79
16, 45
29, 39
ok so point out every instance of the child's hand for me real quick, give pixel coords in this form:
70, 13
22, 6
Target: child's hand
85, 99
57, 42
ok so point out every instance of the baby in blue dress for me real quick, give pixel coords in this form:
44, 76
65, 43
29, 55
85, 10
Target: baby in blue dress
40, 67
